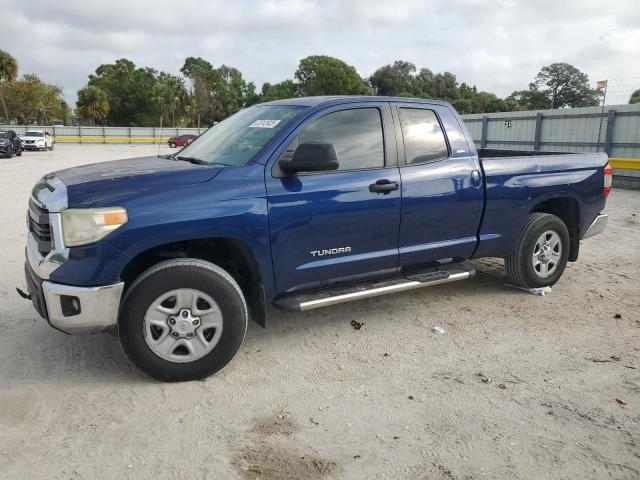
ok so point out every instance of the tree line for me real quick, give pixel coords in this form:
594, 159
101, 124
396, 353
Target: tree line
29, 99
123, 94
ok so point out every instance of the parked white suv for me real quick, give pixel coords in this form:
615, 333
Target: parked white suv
37, 140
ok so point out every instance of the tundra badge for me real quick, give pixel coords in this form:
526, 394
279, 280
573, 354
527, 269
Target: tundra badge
331, 251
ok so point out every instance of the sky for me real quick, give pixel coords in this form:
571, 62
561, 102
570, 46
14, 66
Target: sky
497, 45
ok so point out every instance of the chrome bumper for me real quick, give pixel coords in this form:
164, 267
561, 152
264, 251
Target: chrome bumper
74, 310
82, 310
597, 226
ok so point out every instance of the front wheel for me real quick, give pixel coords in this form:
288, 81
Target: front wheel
541, 254
182, 319
9, 152
172, 145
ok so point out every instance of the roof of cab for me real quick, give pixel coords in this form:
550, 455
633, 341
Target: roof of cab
338, 99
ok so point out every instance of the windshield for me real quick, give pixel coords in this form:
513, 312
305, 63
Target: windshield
3, 135
34, 134
237, 139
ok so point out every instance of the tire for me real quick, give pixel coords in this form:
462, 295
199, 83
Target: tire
526, 266
9, 152
172, 145
138, 337
19, 153
51, 148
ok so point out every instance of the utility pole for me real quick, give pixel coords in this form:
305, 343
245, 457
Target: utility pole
602, 84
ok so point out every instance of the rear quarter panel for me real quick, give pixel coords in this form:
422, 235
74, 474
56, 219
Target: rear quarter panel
516, 185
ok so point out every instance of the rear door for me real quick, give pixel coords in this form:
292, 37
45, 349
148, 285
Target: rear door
334, 226
442, 193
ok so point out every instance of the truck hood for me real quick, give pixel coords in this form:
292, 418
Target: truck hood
100, 184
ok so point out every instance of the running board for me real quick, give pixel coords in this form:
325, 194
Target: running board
333, 296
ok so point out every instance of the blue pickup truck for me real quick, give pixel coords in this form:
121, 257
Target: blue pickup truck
300, 204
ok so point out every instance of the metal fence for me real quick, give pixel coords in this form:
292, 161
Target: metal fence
64, 134
615, 131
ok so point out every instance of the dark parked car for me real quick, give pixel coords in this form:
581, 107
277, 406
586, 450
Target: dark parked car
181, 141
10, 144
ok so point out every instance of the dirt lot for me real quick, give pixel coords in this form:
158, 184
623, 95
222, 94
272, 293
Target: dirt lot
310, 397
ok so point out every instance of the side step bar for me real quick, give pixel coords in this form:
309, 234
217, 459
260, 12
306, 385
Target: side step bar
323, 298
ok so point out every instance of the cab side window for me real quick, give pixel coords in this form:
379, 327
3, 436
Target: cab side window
355, 134
423, 137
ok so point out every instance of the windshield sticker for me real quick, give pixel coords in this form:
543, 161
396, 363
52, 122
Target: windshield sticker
264, 124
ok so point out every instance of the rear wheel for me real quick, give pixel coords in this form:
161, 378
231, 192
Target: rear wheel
182, 320
541, 254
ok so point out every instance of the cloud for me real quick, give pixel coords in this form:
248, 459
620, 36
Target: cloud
498, 46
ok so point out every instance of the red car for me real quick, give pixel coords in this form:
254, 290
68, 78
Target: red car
181, 141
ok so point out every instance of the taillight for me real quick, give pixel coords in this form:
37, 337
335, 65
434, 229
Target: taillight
608, 178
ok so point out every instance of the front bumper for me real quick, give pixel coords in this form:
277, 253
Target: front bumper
75, 310
597, 226
4, 149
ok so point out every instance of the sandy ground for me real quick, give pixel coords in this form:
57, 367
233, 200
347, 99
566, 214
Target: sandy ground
310, 397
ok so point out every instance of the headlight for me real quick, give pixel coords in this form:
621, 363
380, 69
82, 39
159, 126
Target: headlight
81, 226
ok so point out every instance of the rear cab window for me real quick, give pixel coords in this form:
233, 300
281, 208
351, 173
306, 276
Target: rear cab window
424, 139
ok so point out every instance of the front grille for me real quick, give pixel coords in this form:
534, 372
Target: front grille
39, 226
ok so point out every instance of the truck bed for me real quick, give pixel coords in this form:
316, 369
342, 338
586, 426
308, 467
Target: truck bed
499, 153
519, 181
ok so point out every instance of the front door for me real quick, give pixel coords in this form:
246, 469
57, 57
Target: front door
340, 225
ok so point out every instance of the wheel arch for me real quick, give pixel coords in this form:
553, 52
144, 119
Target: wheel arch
234, 256
568, 210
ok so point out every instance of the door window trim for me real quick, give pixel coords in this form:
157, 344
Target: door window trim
388, 140
402, 154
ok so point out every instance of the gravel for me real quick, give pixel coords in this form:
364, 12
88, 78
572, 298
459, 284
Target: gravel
311, 397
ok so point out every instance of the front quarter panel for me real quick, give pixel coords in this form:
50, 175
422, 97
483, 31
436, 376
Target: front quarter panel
232, 206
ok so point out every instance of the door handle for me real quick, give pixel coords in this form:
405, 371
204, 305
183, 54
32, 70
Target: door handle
383, 186
476, 180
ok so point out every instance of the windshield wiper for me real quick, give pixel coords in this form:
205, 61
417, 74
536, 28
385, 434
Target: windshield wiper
195, 160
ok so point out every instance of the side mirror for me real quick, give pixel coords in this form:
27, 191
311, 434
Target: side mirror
311, 157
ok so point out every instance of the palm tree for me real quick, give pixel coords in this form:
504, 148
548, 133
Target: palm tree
8, 73
177, 98
160, 97
168, 96
93, 103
